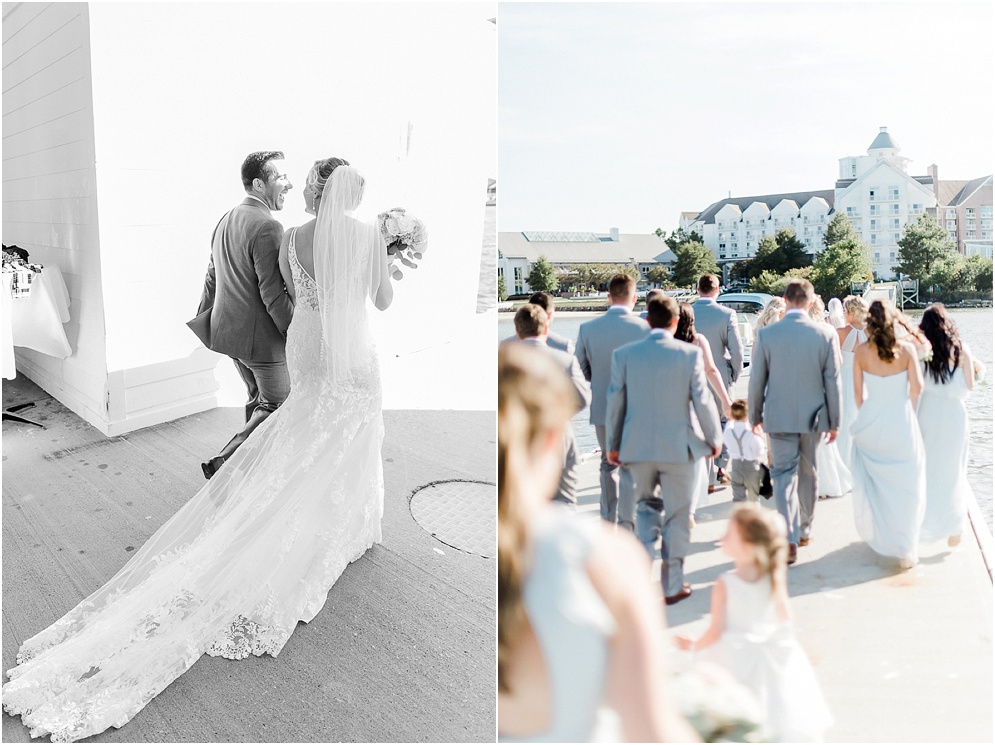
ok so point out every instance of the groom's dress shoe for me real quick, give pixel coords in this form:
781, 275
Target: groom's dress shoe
212, 466
685, 592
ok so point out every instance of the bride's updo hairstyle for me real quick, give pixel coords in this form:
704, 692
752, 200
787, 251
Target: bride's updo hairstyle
765, 532
321, 171
940, 331
881, 318
534, 398
855, 308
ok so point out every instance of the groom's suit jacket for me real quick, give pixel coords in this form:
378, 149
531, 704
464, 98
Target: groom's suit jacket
795, 377
244, 309
717, 324
654, 385
597, 339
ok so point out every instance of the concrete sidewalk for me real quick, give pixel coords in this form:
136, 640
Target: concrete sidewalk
901, 656
404, 649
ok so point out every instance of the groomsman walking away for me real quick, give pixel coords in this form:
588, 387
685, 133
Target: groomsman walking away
597, 340
655, 383
244, 309
532, 327
795, 394
546, 301
718, 325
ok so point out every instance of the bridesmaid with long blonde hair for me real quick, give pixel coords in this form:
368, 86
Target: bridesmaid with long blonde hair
578, 628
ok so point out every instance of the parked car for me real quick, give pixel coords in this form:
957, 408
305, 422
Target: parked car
747, 306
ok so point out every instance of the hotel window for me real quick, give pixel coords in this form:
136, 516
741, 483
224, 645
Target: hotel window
896, 224
891, 256
896, 237
875, 209
951, 224
894, 209
749, 233
986, 223
874, 239
970, 234
893, 193
986, 210
970, 212
777, 222
877, 258
851, 211
518, 280
953, 235
986, 234
722, 246
874, 224
916, 209
735, 245
871, 195
951, 214
970, 225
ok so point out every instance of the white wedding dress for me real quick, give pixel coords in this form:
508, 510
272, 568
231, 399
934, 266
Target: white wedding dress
889, 468
849, 411
251, 554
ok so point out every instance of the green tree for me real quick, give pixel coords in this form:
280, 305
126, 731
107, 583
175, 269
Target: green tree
924, 245
844, 261
979, 272
502, 289
693, 259
776, 284
542, 276
839, 229
678, 237
659, 275
778, 253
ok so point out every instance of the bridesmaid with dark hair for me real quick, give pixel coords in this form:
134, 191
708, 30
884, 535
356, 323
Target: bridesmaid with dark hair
949, 378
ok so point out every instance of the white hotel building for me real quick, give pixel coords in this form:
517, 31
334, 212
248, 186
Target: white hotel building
876, 193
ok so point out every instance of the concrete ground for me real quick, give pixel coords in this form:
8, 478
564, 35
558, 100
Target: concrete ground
403, 651
901, 656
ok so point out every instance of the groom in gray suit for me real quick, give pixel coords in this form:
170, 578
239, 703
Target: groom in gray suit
654, 384
532, 328
244, 310
795, 393
717, 324
597, 340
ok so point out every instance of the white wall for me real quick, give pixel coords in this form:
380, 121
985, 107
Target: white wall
50, 202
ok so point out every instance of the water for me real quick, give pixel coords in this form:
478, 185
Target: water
975, 328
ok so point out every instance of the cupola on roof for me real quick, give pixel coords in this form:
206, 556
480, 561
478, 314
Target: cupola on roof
883, 141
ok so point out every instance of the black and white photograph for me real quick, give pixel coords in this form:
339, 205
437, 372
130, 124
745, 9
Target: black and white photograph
249, 447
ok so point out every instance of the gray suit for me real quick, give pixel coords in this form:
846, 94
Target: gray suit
795, 393
597, 340
655, 384
566, 492
553, 341
718, 325
244, 309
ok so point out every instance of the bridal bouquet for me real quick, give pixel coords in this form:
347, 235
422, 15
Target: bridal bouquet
406, 238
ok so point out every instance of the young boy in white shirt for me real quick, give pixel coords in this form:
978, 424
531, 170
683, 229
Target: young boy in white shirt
747, 451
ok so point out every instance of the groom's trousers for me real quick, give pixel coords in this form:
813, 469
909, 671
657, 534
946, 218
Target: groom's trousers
268, 385
664, 514
795, 480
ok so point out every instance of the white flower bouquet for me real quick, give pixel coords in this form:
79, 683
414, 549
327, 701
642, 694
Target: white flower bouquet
406, 238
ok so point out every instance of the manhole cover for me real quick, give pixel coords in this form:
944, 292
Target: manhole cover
461, 514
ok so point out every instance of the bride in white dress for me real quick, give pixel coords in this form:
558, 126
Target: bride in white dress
832, 472
888, 463
257, 549
850, 335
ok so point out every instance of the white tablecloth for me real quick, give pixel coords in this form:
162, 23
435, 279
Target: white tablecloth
35, 322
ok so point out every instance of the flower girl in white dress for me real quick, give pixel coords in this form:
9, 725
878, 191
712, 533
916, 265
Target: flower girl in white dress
751, 633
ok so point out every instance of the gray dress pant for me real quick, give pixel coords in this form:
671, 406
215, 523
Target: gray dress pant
665, 515
609, 478
268, 385
795, 481
746, 480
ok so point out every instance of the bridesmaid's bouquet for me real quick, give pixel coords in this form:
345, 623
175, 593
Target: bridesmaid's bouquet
406, 238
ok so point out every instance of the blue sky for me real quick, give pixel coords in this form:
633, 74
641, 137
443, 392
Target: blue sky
623, 115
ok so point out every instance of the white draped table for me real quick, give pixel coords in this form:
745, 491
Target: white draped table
35, 322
